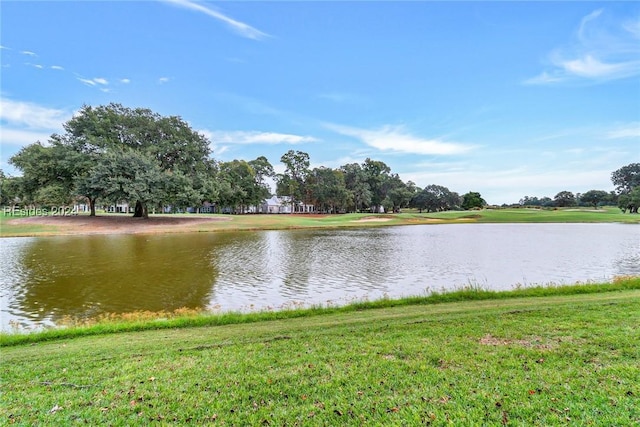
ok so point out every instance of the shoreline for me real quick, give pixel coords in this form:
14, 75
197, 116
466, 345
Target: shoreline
106, 224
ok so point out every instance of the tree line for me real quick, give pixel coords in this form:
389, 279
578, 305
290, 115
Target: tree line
626, 194
110, 154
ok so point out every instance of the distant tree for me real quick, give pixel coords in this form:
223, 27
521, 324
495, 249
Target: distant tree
472, 200
177, 149
377, 174
10, 189
263, 169
435, 198
132, 176
564, 199
240, 186
49, 173
630, 201
594, 197
529, 201
292, 182
327, 189
546, 202
358, 190
626, 178
627, 181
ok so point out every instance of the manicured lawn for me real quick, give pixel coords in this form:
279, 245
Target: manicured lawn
552, 360
606, 214
207, 222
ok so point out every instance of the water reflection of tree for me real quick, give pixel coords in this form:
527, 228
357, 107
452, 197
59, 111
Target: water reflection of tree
91, 275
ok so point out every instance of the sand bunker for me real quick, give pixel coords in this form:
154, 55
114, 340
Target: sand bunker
373, 219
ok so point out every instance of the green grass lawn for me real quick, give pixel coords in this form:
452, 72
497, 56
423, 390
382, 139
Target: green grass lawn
408, 217
606, 214
552, 360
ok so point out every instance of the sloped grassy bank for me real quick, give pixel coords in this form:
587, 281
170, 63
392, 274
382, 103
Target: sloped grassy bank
544, 356
185, 318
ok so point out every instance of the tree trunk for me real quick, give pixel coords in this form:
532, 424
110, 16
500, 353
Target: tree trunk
141, 210
92, 206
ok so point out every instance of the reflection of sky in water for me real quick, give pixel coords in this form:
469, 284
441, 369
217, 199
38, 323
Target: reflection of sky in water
316, 267
42, 279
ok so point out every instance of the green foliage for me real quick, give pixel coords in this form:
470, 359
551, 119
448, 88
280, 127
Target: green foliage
630, 201
48, 173
473, 200
436, 198
327, 189
292, 182
359, 194
594, 197
239, 185
131, 176
627, 182
564, 199
78, 163
626, 178
10, 189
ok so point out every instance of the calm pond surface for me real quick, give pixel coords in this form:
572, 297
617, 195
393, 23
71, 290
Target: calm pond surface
45, 279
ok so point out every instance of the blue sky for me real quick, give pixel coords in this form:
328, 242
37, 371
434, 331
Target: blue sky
505, 98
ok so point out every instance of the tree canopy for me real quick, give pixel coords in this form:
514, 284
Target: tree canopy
627, 182
115, 154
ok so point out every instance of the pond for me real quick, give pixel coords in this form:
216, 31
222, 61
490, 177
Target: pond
44, 279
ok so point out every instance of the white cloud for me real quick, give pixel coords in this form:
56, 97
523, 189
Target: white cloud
256, 137
241, 28
88, 82
23, 123
28, 53
631, 130
38, 66
600, 51
94, 82
33, 116
592, 68
125, 81
395, 138
20, 138
163, 80
57, 67
509, 185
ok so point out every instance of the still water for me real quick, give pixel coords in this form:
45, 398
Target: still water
45, 279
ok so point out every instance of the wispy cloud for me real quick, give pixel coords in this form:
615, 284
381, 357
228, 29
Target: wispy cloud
21, 137
601, 50
125, 81
245, 30
23, 123
256, 137
396, 139
38, 66
28, 53
94, 82
631, 130
163, 80
25, 114
57, 67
